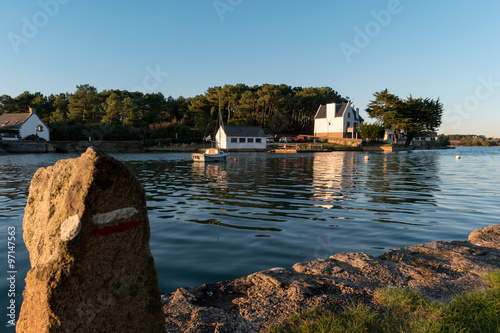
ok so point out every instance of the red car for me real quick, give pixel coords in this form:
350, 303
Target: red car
300, 139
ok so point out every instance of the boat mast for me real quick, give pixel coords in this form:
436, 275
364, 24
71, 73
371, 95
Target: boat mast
221, 125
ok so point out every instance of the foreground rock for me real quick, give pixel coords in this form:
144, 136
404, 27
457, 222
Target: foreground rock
440, 270
87, 233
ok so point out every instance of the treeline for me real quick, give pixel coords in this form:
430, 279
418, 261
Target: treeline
473, 140
124, 115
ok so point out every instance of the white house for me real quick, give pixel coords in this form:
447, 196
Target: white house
235, 138
337, 120
433, 136
390, 137
18, 126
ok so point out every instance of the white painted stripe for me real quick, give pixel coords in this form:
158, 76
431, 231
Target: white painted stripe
119, 214
70, 228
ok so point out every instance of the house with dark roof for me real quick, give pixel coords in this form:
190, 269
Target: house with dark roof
337, 120
240, 138
18, 126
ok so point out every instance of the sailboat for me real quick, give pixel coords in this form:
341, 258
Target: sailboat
213, 154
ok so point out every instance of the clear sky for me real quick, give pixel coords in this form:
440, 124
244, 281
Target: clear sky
446, 49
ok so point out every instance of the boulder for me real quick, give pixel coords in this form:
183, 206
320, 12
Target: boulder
87, 232
487, 237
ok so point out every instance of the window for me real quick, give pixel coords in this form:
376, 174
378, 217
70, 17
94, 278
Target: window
39, 128
250, 140
258, 140
348, 124
234, 140
5, 123
243, 140
348, 115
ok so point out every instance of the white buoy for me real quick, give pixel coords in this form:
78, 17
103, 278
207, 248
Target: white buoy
458, 157
366, 158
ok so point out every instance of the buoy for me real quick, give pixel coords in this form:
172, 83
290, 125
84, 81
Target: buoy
366, 158
235, 159
458, 157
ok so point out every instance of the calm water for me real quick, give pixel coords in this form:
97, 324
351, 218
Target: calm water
218, 222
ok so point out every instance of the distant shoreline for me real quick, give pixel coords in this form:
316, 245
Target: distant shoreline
28, 147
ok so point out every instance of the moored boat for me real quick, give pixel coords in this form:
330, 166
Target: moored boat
210, 155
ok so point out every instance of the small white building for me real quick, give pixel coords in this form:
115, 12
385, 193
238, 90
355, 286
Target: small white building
337, 120
237, 138
18, 126
433, 136
390, 137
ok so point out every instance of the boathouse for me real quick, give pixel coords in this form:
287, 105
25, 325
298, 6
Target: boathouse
241, 138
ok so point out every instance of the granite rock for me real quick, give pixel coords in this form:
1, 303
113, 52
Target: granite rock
87, 232
439, 270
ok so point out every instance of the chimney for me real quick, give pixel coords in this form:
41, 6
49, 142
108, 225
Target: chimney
32, 110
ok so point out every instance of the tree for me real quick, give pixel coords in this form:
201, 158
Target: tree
130, 112
42, 108
371, 131
84, 105
7, 103
444, 140
22, 102
114, 109
413, 116
58, 117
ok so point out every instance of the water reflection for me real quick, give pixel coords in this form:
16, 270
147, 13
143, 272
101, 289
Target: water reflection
260, 192
221, 221
335, 177
403, 178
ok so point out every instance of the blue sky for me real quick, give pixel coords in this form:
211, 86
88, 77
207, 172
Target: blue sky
446, 49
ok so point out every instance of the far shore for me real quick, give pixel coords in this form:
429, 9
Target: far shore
139, 146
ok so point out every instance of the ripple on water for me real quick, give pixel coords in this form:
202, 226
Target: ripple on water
221, 221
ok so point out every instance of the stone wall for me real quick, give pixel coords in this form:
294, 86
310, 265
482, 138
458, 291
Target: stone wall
107, 146
346, 141
25, 147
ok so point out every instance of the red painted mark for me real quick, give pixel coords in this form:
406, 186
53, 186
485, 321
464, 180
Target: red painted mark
115, 229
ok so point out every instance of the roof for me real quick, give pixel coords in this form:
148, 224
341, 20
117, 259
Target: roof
244, 131
339, 110
321, 112
13, 120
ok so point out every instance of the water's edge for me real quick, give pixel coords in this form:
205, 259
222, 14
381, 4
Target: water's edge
439, 270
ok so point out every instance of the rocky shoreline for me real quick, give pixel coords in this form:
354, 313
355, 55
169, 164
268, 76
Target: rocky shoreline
439, 270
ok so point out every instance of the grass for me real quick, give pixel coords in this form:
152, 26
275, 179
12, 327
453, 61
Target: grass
406, 310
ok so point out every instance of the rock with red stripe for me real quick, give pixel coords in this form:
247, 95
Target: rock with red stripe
87, 231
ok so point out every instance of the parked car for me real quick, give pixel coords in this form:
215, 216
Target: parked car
284, 139
300, 139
